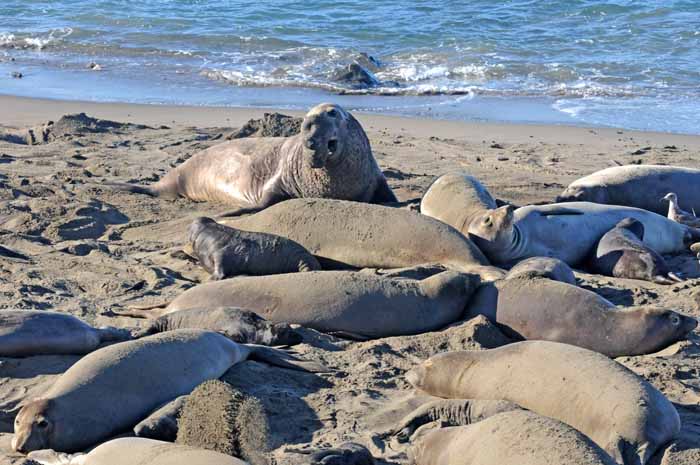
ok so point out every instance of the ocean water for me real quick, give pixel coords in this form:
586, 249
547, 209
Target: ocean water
631, 64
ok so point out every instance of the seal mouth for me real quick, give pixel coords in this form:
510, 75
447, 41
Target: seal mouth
332, 146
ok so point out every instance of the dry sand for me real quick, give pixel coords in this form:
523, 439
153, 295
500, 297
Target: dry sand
90, 250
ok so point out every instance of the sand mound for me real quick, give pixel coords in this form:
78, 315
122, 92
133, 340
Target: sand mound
270, 125
218, 417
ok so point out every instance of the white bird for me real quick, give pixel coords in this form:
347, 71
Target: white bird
680, 216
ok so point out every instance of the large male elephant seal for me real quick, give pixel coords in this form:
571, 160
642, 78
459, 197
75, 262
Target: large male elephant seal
345, 234
110, 390
32, 332
225, 252
356, 305
239, 325
456, 199
543, 267
512, 438
619, 410
151, 452
543, 309
330, 158
640, 186
567, 231
621, 253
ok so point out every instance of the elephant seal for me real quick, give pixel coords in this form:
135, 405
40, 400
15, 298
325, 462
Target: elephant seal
348, 453
539, 308
510, 438
567, 231
640, 186
619, 410
225, 252
242, 326
330, 158
543, 267
345, 234
114, 388
151, 452
347, 303
456, 199
33, 332
621, 253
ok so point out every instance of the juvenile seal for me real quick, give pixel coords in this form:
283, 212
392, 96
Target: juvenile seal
225, 252
511, 438
456, 199
112, 389
567, 231
242, 326
31, 332
640, 186
330, 158
542, 309
345, 234
621, 253
619, 410
677, 214
543, 267
151, 452
356, 305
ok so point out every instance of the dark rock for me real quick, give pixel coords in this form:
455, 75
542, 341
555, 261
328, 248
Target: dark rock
270, 125
355, 76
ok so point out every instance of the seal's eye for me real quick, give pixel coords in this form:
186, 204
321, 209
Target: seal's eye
42, 423
675, 320
487, 221
332, 113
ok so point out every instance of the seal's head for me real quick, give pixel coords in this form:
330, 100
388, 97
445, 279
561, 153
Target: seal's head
662, 327
580, 193
197, 226
493, 230
632, 225
33, 427
324, 133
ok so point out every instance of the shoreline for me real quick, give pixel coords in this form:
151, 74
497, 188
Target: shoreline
26, 111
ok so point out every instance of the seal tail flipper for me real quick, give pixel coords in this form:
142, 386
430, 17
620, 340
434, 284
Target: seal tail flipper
133, 188
677, 278
284, 359
658, 279
144, 311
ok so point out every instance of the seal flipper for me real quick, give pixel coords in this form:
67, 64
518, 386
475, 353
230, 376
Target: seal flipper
133, 188
383, 193
283, 359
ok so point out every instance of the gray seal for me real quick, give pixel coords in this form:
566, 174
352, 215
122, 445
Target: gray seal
330, 158
346, 303
239, 325
33, 332
456, 199
542, 309
621, 253
619, 410
510, 438
225, 252
567, 231
543, 267
114, 388
640, 186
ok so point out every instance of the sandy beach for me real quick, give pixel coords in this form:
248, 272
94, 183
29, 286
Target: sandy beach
90, 251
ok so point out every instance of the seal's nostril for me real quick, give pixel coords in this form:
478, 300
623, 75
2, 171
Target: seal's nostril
332, 145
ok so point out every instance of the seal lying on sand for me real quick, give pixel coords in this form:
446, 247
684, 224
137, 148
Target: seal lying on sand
456, 199
510, 438
624, 414
225, 252
148, 451
543, 267
567, 231
31, 332
621, 253
539, 308
242, 326
330, 158
640, 186
351, 234
112, 389
356, 305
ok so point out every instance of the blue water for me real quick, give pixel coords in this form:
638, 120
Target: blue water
630, 64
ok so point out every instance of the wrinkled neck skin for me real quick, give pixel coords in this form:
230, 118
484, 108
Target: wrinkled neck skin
508, 247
